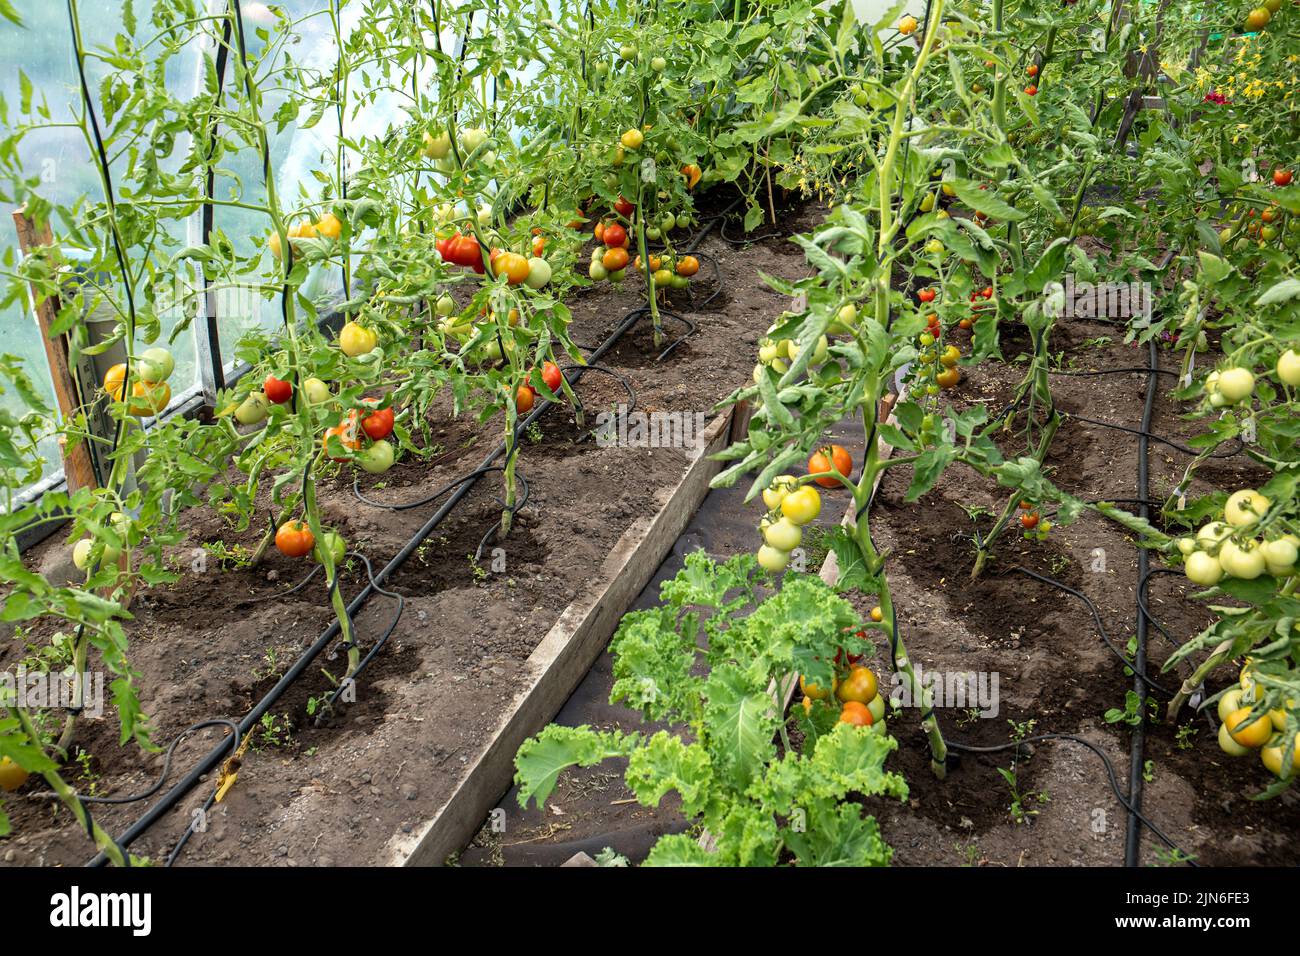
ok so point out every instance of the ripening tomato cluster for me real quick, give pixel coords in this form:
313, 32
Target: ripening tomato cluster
328, 226
150, 393
1232, 547
1034, 525
790, 507
854, 687
363, 431
937, 365
1247, 724
609, 260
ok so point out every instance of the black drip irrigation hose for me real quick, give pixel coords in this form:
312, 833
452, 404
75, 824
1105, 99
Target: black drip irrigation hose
1096, 620
1133, 811
374, 586
1133, 838
1115, 371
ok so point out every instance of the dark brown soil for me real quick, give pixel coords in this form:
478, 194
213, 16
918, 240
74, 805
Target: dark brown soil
212, 644
1053, 666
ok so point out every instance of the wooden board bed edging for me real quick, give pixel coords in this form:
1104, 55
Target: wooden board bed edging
559, 663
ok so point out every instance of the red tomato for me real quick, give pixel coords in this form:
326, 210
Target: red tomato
1282, 177
1031, 90
624, 208
539, 246
926, 295
378, 424
1029, 520
615, 235
552, 376
277, 390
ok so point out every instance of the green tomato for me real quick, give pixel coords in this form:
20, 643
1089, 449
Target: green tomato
436, 147
877, 707
316, 391
445, 305
155, 365
1203, 569
331, 542
668, 223
1288, 367
1229, 702
658, 64
1242, 561
377, 458
472, 138
82, 554
597, 272
253, 409
1236, 384
539, 273
1230, 746
775, 493
627, 52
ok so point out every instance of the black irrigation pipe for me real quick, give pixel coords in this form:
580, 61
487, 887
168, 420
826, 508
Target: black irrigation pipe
1133, 838
1116, 371
1096, 620
1134, 811
375, 586
1145, 434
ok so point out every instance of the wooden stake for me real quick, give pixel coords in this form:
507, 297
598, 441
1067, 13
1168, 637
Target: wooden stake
78, 470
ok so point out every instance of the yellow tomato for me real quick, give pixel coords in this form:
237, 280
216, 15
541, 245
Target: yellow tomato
329, 226
115, 380
356, 339
1247, 731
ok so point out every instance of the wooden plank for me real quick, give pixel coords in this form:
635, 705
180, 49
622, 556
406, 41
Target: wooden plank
559, 663
78, 470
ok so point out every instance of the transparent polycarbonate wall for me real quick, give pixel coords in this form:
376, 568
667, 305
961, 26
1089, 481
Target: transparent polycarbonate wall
42, 50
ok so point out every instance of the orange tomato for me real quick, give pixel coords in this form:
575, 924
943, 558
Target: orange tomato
294, 539
821, 463
539, 245
692, 173
149, 398
614, 259
511, 265
855, 713
524, 398
599, 232
346, 432
688, 266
